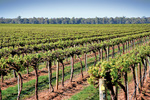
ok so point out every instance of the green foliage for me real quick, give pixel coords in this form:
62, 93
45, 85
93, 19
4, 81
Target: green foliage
118, 65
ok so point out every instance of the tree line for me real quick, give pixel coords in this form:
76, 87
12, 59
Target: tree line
73, 20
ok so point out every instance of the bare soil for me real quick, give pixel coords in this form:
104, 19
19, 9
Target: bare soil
145, 94
145, 90
65, 92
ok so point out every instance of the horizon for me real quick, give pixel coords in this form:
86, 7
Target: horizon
76, 17
75, 8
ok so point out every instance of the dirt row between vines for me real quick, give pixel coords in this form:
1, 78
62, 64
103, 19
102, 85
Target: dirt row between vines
69, 89
78, 84
131, 89
145, 94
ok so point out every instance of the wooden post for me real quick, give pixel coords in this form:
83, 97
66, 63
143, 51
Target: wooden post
36, 81
57, 75
131, 44
140, 76
119, 49
18, 85
105, 50
49, 75
86, 62
63, 73
102, 90
134, 77
14, 72
0, 91
81, 65
126, 96
75, 55
123, 48
137, 78
85, 57
95, 59
113, 51
116, 90
108, 53
145, 62
144, 71
127, 89
54, 60
149, 65
101, 54
72, 68
128, 45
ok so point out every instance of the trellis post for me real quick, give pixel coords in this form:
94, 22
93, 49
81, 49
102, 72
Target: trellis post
102, 90
57, 75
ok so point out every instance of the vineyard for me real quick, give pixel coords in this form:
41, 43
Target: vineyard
36, 58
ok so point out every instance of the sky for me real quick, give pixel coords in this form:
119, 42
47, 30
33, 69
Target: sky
74, 8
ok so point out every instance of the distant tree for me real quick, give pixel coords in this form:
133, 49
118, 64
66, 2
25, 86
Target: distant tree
52, 21
73, 20
111, 20
105, 20
96, 20
144, 20
34, 21
127, 22
148, 20
18, 20
2, 20
46, 21
25, 21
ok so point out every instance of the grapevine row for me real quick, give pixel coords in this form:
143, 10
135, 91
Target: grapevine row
27, 33
19, 62
65, 44
113, 69
49, 40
